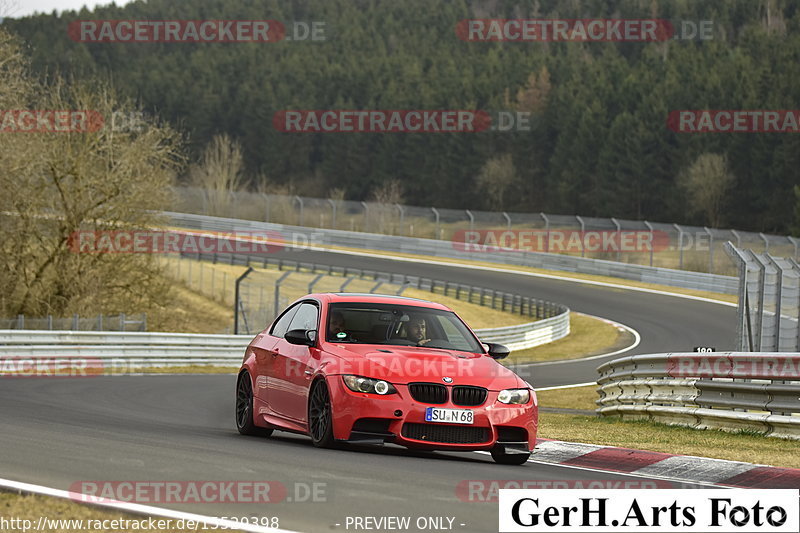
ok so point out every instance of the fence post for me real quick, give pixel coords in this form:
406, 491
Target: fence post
742, 331
794, 242
680, 246
300, 201
346, 283
278, 291
402, 211
652, 237
508, 220
546, 232
619, 238
333, 213
760, 314
738, 238
436, 213
121, 321
710, 250
796, 267
50, 322
766, 242
314, 282
99, 322
583, 235
471, 219
778, 296
236, 301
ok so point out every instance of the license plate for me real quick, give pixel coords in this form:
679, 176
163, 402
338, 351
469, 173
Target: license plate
450, 416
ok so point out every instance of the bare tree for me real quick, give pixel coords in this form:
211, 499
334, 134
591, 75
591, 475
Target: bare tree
707, 182
495, 178
219, 173
56, 184
385, 196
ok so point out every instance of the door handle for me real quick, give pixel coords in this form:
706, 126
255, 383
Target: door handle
308, 372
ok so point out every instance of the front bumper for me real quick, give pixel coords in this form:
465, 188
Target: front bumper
398, 418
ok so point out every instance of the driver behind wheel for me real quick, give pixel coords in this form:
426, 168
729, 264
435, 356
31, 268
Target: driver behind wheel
416, 330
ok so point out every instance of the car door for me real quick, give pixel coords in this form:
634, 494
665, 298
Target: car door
293, 367
265, 350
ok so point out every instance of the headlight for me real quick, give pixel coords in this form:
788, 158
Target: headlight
368, 385
516, 396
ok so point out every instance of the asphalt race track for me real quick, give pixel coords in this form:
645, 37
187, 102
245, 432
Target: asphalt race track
55, 432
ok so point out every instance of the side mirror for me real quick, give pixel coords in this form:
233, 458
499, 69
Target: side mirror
305, 337
497, 351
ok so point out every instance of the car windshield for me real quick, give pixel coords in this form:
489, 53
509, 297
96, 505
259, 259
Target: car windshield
399, 325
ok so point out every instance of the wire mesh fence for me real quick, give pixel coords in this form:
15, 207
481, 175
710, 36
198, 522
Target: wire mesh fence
641, 242
268, 285
769, 301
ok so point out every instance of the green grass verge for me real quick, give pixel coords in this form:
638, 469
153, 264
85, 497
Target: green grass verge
588, 336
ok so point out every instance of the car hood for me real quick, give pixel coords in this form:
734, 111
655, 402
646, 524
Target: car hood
402, 365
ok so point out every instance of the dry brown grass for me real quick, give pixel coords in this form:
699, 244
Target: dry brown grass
588, 336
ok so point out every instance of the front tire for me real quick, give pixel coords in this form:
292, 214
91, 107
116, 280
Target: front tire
244, 408
320, 416
502, 458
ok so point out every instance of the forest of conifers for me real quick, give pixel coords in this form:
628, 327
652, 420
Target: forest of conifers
598, 143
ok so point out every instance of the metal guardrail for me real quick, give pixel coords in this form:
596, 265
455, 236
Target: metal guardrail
117, 353
725, 390
688, 247
445, 249
528, 335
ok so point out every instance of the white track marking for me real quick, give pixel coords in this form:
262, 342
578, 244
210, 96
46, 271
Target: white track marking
628, 474
142, 509
568, 386
637, 339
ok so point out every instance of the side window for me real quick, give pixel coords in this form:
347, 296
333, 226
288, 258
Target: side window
305, 318
282, 325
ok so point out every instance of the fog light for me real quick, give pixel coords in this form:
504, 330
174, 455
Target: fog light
398, 413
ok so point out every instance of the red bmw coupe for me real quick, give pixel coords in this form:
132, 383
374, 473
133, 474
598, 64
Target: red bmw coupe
371, 369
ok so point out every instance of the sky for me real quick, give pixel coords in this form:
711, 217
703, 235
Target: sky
21, 8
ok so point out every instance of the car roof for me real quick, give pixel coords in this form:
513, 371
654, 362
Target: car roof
350, 297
